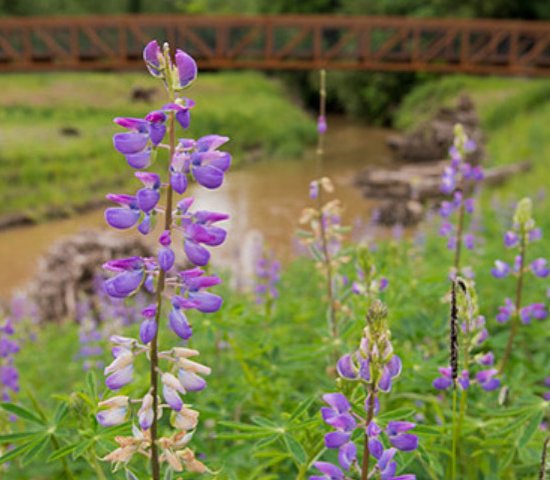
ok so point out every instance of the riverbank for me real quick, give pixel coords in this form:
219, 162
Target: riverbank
55, 131
514, 115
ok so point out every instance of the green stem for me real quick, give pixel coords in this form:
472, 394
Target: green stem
454, 437
519, 291
366, 452
333, 327
459, 230
542, 472
66, 469
155, 463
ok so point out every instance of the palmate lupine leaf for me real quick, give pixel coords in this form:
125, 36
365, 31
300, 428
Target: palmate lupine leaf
36, 448
22, 413
295, 449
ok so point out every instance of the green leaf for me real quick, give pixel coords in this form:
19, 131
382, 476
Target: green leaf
302, 408
264, 422
62, 452
511, 426
295, 449
530, 429
242, 426
22, 412
91, 383
14, 437
81, 448
36, 449
398, 414
61, 412
169, 475
16, 452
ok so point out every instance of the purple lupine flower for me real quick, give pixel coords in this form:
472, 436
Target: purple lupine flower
199, 229
148, 328
487, 359
501, 269
511, 239
398, 437
185, 290
148, 197
321, 125
329, 471
154, 60
125, 216
267, 276
506, 311
486, 379
540, 268
535, 311
339, 417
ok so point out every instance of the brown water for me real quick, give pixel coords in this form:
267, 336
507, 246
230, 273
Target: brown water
265, 197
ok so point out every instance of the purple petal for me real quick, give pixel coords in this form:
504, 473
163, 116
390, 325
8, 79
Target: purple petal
152, 56
347, 455
120, 378
376, 448
147, 199
336, 439
208, 176
442, 383
128, 143
178, 180
384, 384
139, 160
124, 283
183, 117
395, 427
187, 68
191, 381
166, 258
121, 217
206, 302
395, 366
148, 330
346, 368
172, 398
332, 471
337, 401
404, 442
179, 325
211, 142
196, 254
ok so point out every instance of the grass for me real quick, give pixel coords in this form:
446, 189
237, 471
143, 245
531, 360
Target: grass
44, 170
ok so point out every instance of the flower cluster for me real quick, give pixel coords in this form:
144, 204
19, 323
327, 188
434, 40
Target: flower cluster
267, 276
523, 232
458, 180
375, 366
324, 240
173, 373
9, 376
473, 336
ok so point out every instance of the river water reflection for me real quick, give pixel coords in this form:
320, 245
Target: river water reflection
266, 197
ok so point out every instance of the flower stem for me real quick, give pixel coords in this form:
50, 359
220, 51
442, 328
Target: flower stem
454, 437
542, 472
459, 230
155, 464
333, 327
366, 452
516, 316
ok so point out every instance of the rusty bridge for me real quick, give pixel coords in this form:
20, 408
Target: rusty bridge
280, 42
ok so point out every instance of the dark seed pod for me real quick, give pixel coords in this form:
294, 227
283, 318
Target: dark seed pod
453, 337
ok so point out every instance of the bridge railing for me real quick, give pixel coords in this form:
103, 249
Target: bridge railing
280, 42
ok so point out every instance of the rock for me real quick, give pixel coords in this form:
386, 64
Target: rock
400, 212
68, 269
430, 141
141, 94
69, 131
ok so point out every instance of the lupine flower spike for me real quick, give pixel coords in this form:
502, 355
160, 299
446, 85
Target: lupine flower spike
324, 241
375, 366
458, 181
173, 375
524, 231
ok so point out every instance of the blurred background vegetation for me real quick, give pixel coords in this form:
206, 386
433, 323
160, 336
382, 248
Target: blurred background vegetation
373, 97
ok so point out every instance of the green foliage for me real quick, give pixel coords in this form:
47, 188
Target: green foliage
64, 171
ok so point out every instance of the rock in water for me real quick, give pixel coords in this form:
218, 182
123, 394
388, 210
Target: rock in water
430, 141
67, 270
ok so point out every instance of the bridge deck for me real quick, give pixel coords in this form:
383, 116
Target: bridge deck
280, 42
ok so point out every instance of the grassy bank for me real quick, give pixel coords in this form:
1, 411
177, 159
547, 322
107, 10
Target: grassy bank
43, 169
514, 114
